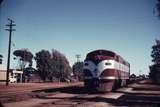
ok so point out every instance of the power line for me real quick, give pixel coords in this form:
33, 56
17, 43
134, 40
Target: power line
10, 29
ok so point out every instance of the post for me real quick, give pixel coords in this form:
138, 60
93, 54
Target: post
78, 57
10, 25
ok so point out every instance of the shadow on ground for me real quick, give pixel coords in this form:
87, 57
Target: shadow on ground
69, 90
131, 100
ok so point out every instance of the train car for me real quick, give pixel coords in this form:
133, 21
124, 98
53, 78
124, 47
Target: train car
105, 70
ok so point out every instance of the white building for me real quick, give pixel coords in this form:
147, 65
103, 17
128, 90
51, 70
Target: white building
14, 75
3, 70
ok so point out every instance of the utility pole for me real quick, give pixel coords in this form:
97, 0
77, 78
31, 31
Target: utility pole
140, 72
78, 56
10, 29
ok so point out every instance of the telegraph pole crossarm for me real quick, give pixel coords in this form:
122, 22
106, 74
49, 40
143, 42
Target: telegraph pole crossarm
78, 56
10, 29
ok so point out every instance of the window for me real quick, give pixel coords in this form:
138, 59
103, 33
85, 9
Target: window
101, 52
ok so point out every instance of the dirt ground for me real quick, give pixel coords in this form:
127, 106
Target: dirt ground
141, 94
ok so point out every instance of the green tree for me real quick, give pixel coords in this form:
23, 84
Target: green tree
61, 67
53, 66
43, 59
155, 68
156, 52
158, 7
78, 70
24, 56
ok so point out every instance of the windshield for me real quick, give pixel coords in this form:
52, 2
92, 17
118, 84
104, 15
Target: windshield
101, 53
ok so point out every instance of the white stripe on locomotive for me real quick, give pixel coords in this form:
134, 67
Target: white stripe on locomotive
103, 65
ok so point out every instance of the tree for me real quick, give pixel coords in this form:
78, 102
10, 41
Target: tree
29, 72
1, 59
52, 66
156, 53
78, 70
61, 66
43, 59
158, 7
24, 56
155, 68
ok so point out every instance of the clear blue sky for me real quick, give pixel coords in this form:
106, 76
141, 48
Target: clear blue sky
127, 27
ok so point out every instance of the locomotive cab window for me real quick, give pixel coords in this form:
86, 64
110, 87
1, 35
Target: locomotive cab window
101, 52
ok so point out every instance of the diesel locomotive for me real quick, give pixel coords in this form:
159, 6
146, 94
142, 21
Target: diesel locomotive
105, 70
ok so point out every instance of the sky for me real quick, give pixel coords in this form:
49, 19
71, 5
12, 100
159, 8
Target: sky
127, 27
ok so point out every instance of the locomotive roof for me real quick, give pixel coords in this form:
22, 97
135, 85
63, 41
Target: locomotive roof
101, 50
113, 53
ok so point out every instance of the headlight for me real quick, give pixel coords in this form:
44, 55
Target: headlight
85, 64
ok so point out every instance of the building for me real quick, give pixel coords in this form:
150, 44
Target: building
14, 75
3, 70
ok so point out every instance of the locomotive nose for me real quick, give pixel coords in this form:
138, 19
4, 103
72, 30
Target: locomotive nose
96, 72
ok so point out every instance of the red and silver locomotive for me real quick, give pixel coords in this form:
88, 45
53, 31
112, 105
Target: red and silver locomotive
104, 70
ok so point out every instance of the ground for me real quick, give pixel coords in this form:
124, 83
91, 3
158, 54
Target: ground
140, 94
